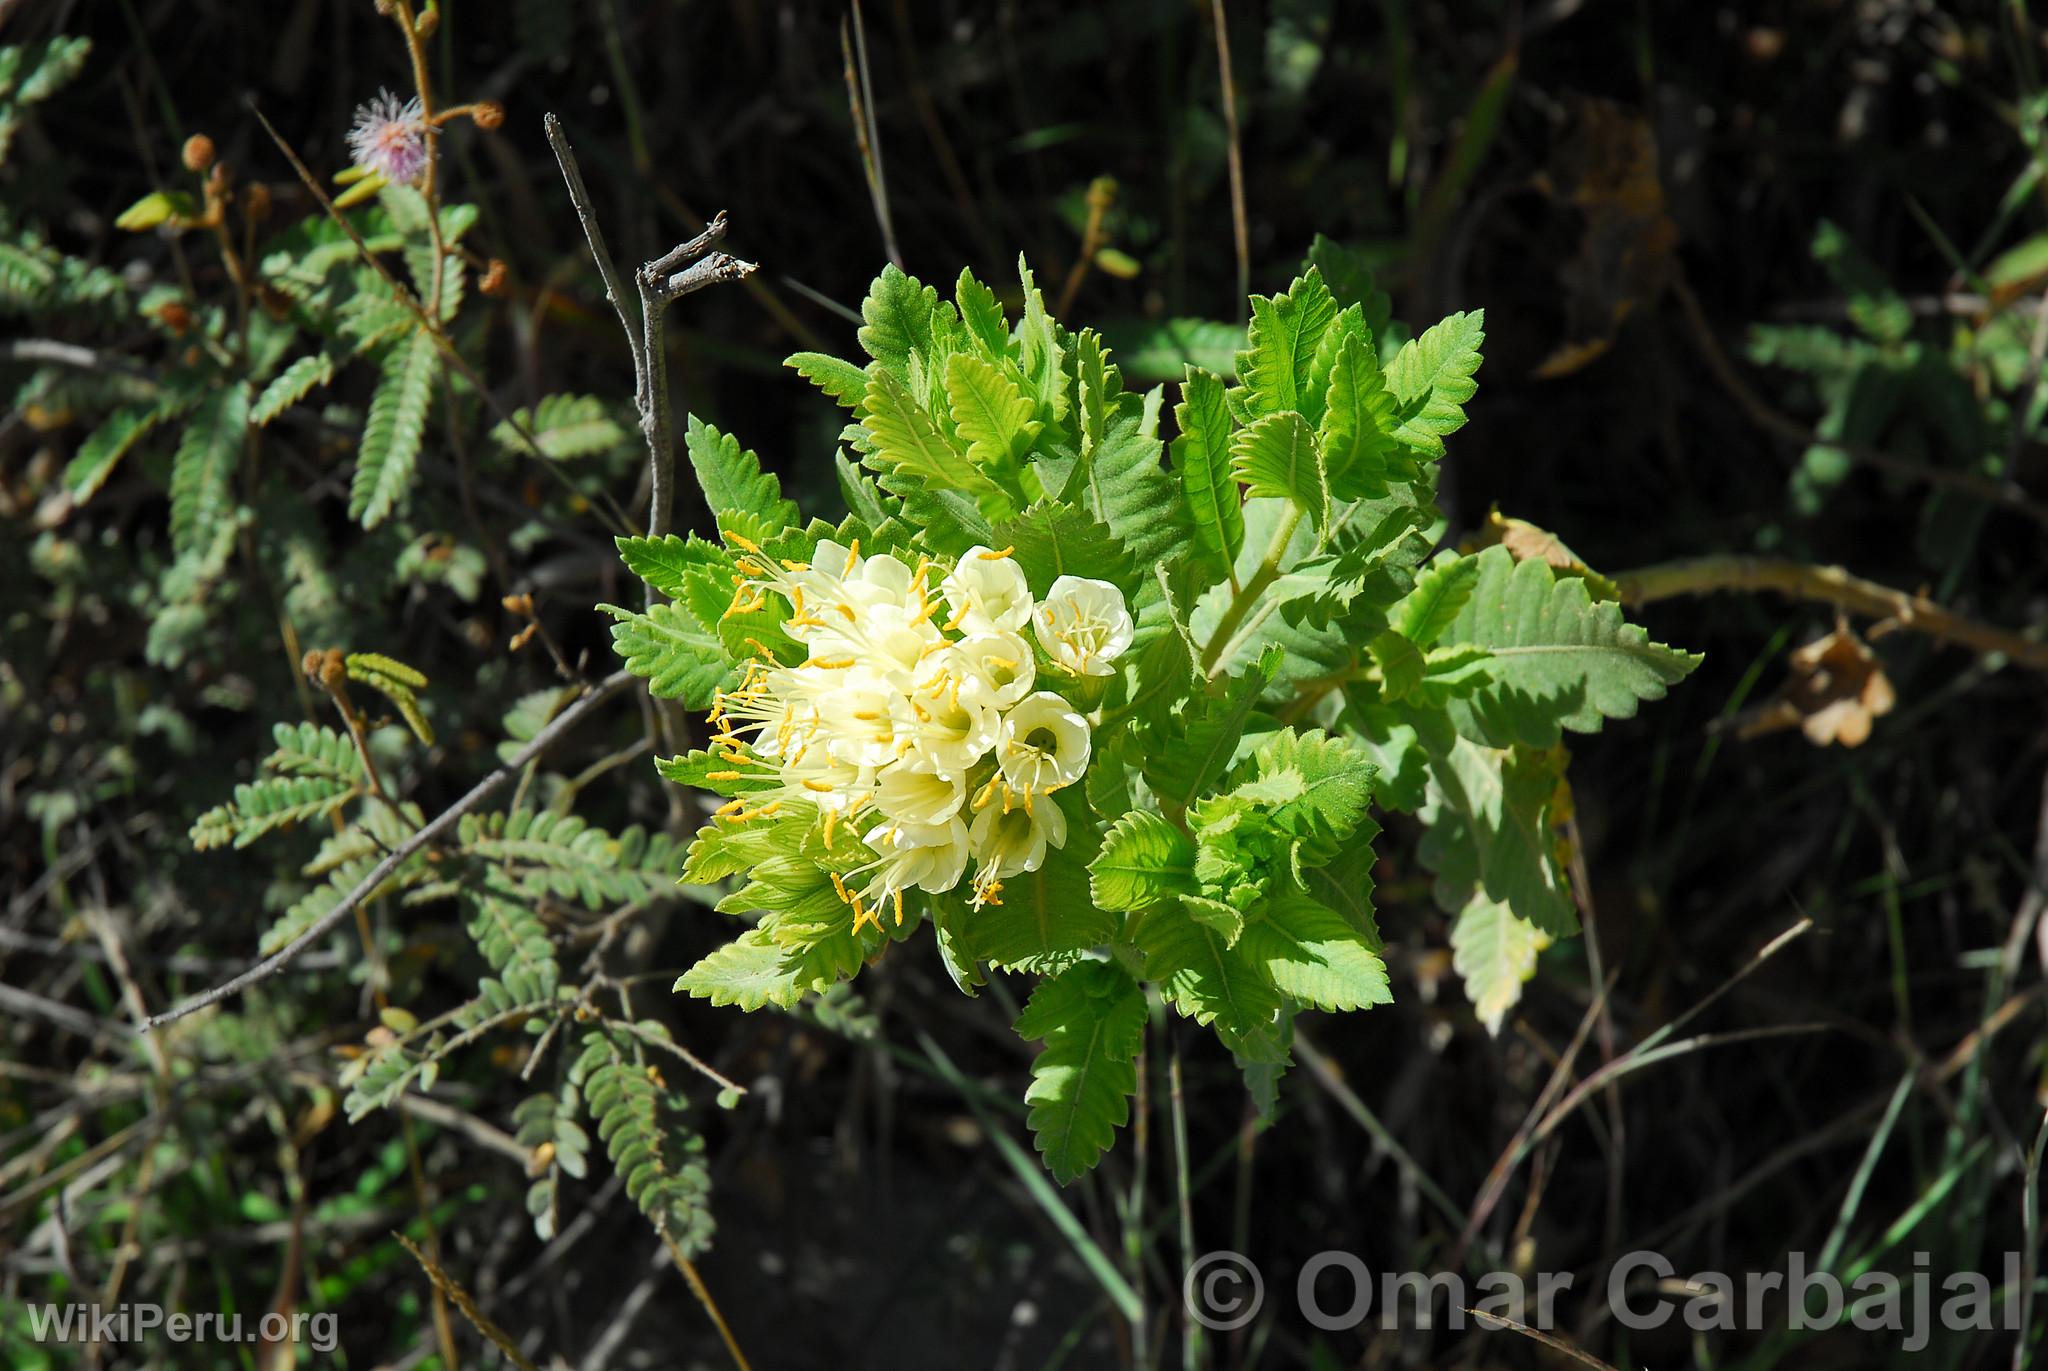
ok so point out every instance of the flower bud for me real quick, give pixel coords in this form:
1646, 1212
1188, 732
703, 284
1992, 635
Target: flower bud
488, 114
256, 202
494, 282
198, 153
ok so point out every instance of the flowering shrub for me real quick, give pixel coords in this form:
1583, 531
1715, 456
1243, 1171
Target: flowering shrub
1117, 721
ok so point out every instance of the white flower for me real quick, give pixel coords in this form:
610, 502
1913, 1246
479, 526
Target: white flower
987, 592
951, 729
1042, 745
909, 794
1009, 839
996, 667
1082, 625
858, 717
927, 856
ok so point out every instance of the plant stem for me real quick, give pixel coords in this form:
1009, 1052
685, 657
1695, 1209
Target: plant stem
1829, 585
1248, 595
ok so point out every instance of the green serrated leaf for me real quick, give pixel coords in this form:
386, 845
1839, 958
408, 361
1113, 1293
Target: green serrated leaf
664, 562
1091, 1018
292, 385
838, 378
1278, 361
992, 414
1201, 461
910, 450
1425, 613
678, 658
104, 448
1276, 458
734, 483
1211, 982
1050, 540
1558, 658
1359, 423
1494, 953
1144, 859
1431, 377
1314, 955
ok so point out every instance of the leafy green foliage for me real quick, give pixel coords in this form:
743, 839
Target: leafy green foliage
1557, 658
396, 429
642, 1125
203, 472
563, 427
1219, 844
738, 491
1431, 378
1201, 462
1091, 1018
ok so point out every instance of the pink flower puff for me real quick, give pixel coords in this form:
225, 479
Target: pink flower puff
390, 138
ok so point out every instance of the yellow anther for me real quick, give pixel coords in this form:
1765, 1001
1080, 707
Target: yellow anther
996, 556
814, 784
735, 539
724, 776
899, 908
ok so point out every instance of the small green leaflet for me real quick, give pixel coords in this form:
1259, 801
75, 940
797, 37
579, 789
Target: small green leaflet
1201, 463
1494, 952
1312, 954
992, 414
664, 562
1276, 458
909, 446
1051, 540
1091, 1018
1211, 982
564, 427
1359, 423
1144, 859
678, 659
1279, 358
841, 380
1441, 591
1432, 378
203, 472
396, 428
733, 481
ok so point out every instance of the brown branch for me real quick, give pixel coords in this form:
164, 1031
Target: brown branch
1827, 585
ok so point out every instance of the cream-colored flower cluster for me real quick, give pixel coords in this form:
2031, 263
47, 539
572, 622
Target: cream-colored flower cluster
915, 713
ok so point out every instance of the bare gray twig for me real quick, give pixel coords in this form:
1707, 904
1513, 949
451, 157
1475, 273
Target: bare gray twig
661, 282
